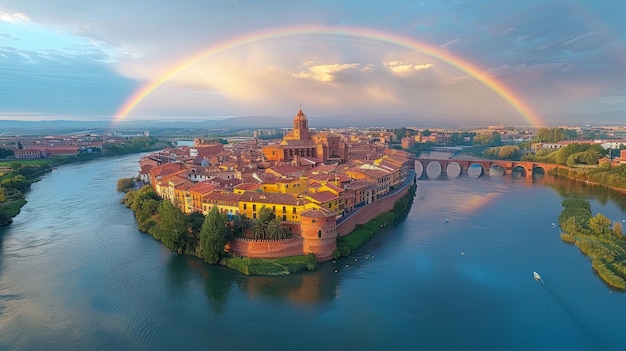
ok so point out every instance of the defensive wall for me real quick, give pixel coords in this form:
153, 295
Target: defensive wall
367, 213
258, 248
316, 234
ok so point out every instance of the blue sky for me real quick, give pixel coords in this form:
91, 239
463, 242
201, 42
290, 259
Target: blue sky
80, 59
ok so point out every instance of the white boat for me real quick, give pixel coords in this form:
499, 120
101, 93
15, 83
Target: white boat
537, 276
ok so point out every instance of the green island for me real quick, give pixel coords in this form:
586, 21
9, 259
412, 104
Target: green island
17, 175
205, 237
597, 238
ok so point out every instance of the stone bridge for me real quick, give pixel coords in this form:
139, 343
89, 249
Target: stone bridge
452, 168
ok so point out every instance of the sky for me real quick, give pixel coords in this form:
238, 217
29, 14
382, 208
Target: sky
534, 62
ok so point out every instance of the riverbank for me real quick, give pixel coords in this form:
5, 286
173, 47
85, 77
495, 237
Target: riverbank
181, 233
597, 238
17, 175
611, 177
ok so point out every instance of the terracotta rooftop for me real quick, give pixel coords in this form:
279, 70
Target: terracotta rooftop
318, 213
322, 196
272, 198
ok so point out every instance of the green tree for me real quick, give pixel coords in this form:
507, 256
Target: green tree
509, 152
275, 230
171, 227
125, 184
617, 229
488, 139
600, 224
213, 236
15, 166
266, 214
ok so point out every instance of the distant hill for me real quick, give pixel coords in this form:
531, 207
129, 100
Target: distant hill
172, 125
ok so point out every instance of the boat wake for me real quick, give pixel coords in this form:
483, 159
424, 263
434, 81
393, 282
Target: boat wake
568, 311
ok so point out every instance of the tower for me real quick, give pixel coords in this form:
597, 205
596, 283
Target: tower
300, 126
318, 229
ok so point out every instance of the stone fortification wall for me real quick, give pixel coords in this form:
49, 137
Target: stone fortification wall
266, 248
365, 214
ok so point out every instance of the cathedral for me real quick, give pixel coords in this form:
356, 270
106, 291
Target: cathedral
322, 147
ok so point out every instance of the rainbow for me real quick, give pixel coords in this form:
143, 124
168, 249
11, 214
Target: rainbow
468, 68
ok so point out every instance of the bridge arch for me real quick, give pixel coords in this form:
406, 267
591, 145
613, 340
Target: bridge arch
497, 170
433, 170
538, 171
453, 170
519, 171
419, 169
475, 170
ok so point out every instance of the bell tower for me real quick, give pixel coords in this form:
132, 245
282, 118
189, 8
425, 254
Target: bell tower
300, 126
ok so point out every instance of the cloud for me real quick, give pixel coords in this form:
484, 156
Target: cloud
325, 73
14, 18
447, 44
58, 84
399, 67
537, 48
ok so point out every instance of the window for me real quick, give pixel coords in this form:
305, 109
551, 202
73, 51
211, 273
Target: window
313, 221
254, 215
254, 207
284, 209
294, 210
319, 233
284, 217
245, 206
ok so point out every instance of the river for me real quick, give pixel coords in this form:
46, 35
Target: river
76, 274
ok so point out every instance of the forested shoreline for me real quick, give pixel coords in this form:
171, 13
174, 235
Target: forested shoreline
598, 238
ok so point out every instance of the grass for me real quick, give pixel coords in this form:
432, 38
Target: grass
271, 266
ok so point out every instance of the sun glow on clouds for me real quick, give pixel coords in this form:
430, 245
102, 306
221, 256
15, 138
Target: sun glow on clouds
325, 73
399, 67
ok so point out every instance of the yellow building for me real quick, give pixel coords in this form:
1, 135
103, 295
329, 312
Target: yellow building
285, 207
286, 186
325, 199
226, 202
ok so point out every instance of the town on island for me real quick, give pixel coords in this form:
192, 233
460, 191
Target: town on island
294, 198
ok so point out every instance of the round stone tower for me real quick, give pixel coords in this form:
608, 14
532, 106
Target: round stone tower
319, 233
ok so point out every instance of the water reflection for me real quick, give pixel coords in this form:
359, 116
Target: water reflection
219, 282
568, 188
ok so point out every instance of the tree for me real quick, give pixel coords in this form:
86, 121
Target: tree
171, 227
213, 236
266, 214
600, 224
509, 152
125, 184
617, 229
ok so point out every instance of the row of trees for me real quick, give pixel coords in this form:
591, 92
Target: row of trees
137, 144
506, 152
195, 234
190, 234
554, 135
13, 186
570, 155
607, 175
597, 238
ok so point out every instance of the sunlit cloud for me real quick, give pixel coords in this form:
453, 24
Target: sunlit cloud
400, 67
14, 18
325, 73
544, 51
